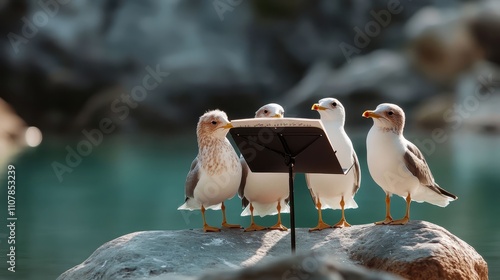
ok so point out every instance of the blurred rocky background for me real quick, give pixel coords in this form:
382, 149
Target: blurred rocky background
66, 64
143, 71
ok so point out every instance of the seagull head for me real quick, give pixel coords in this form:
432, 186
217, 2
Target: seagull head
388, 117
271, 110
330, 109
213, 124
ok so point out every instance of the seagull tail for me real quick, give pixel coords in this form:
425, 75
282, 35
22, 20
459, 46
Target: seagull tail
350, 203
285, 208
266, 209
434, 195
214, 207
191, 204
334, 202
246, 211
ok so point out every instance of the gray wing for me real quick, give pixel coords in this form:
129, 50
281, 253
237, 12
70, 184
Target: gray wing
192, 179
357, 172
416, 164
241, 189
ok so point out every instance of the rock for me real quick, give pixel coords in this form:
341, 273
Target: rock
482, 27
418, 250
16, 134
473, 106
429, 114
478, 93
474, 136
446, 42
312, 265
307, 266
366, 80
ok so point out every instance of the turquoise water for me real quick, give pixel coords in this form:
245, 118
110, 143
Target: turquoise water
129, 184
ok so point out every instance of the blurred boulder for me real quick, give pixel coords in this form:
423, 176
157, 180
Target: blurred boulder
477, 100
473, 106
368, 80
418, 250
303, 266
447, 42
15, 134
429, 114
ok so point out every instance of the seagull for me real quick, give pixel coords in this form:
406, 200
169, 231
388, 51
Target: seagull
215, 173
264, 193
335, 191
397, 165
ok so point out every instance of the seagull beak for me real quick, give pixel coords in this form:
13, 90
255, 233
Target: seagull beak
278, 116
227, 126
316, 107
371, 114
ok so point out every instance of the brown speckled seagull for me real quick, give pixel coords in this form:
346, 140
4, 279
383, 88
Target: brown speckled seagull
215, 173
397, 165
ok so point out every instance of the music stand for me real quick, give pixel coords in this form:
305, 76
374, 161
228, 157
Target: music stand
287, 150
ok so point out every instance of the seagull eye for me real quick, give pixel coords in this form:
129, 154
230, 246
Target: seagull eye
214, 122
390, 113
266, 111
334, 104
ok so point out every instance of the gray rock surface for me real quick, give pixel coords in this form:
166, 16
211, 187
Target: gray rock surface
306, 266
418, 250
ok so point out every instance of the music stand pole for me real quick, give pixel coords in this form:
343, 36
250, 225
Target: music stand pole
292, 206
303, 149
290, 162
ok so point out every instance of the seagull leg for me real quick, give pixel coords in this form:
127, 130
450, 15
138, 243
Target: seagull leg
342, 223
321, 225
206, 227
279, 225
406, 218
224, 222
253, 226
388, 218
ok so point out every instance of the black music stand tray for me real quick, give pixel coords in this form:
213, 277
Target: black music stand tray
287, 150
